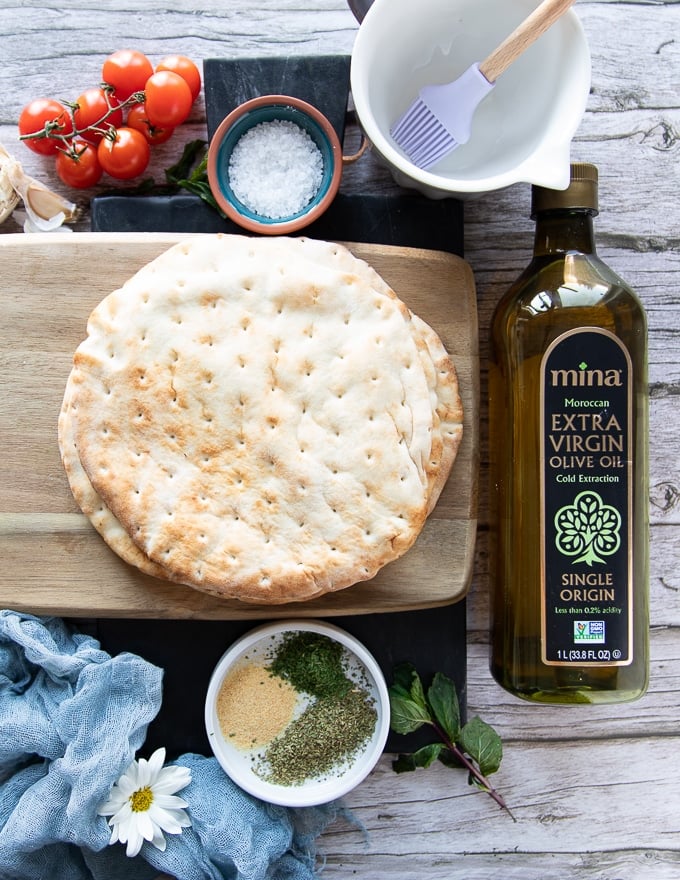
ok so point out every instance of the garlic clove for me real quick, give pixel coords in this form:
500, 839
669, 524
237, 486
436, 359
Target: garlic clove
44, 206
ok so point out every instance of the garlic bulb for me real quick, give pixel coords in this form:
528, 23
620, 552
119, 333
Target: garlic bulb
9, 198
46, 209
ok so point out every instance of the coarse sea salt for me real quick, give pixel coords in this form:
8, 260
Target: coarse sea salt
275, 169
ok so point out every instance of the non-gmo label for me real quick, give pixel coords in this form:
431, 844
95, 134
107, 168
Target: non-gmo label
586, 483
590, 631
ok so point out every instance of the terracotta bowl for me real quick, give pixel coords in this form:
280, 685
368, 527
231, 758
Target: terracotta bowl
262, 110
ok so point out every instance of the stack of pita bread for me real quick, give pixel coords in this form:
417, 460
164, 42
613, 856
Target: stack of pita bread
260, 419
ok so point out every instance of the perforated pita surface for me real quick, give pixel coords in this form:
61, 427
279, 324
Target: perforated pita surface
91, 503
262, 419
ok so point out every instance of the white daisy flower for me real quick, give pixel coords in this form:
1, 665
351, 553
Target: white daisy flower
143, 804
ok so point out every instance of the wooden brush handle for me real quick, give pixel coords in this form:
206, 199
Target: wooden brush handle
535, 24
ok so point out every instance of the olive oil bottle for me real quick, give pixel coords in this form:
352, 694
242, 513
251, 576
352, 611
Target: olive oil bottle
568, 438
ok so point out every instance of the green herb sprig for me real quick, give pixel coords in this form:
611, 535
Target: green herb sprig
187, 174
475, 745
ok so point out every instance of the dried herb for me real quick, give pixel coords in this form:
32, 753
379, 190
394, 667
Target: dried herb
327, 734
312, 663
475, 746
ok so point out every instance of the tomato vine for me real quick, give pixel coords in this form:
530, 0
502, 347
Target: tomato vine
132, 97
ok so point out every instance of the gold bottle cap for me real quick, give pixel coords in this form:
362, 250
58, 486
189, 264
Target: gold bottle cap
581, 192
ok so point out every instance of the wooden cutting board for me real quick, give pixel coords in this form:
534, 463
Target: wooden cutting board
51, 559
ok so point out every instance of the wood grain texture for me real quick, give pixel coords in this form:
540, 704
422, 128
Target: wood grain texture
524, 35
595, 789
56, 564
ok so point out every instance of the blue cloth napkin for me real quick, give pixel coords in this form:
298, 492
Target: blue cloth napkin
71, 721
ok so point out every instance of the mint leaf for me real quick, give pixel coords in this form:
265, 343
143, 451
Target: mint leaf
423, 757
481, 742
406, 714
408, 706
418, 693
402, 677
443, 700
407, 683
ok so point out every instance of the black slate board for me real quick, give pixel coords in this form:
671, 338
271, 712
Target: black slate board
405, 220
433, 639
321, 80
188, 650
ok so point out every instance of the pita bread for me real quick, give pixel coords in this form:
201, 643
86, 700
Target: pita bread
91, 504
259, 418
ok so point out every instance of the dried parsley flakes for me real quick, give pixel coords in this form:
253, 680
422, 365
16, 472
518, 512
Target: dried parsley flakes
312, 663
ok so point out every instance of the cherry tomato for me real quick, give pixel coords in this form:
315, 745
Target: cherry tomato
186, 68
124, 154
168, 99
79, 167
93, 107
127, 70
34, 117
138, 119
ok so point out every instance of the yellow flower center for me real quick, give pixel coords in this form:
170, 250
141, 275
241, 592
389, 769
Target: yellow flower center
141, 800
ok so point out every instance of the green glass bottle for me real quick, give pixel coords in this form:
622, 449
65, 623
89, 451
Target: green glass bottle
568, 453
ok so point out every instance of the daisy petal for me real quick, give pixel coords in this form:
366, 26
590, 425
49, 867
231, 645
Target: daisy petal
121, 816
156, 762
125, 786
166, 820
134, 842
172, 779
131, 774
169, 801
158, 840
143, 774
181, 817
144, 825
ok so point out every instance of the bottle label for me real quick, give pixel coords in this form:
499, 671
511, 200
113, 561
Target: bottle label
586, 500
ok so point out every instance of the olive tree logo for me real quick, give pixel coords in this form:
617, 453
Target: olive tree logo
588, 528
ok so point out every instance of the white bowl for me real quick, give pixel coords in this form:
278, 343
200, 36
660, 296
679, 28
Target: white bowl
256, 646
521, 132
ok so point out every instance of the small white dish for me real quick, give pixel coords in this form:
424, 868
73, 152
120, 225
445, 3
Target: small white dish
258, 647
